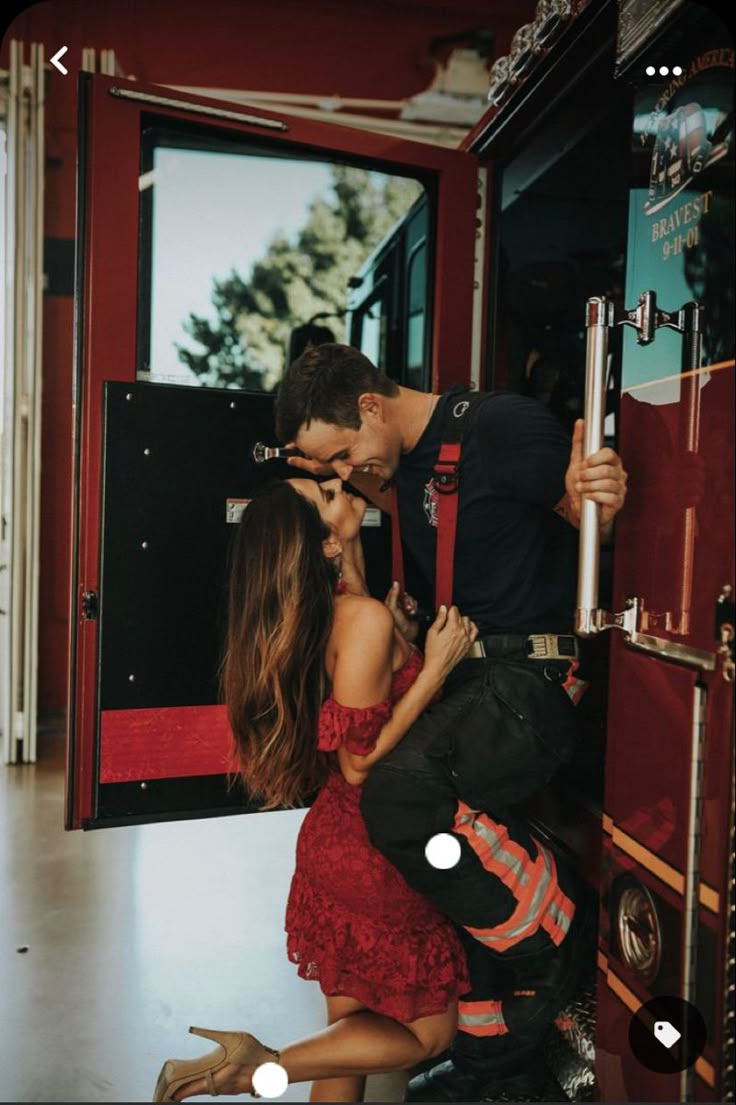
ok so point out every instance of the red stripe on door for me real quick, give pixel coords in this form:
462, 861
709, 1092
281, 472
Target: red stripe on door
164, 743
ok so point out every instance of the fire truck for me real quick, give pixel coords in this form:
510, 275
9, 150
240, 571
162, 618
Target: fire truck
578, 248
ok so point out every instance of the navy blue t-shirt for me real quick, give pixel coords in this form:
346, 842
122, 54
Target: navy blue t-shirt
515, 559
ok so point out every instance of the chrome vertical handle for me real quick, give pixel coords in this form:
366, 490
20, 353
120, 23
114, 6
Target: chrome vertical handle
599, 318
646, 318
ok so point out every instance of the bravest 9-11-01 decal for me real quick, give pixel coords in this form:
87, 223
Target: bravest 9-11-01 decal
688, 129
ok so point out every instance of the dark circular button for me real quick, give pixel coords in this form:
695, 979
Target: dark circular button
667, 1034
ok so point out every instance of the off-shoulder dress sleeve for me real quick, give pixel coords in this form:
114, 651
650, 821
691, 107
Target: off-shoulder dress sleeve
355, 728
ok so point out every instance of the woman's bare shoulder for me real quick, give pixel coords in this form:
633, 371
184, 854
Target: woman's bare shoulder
361, 614
360, 656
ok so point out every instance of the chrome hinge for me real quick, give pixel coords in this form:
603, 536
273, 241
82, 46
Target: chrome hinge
589, 622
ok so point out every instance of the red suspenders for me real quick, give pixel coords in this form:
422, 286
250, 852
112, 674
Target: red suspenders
397, 558
446, 481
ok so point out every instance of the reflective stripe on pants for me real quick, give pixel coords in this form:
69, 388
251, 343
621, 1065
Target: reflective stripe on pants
481, 1018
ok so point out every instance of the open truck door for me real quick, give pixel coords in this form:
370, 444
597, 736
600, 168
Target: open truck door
161, 470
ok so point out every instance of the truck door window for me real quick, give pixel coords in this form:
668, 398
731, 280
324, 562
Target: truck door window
416, 316
241, 244
390, 298
369, 330
561, 237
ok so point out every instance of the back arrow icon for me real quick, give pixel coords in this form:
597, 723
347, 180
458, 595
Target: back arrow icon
55, 60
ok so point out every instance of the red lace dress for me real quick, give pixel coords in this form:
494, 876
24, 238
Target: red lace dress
352, 921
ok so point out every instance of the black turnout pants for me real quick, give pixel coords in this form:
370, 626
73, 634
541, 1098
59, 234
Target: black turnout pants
501, 729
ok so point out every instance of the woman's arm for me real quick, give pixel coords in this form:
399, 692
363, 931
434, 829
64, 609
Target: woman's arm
363, 674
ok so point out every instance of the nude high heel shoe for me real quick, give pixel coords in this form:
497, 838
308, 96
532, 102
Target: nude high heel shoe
234, 1047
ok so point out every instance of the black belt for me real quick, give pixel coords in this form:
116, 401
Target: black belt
534, 646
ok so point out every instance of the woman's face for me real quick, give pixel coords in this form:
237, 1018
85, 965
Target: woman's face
338, 509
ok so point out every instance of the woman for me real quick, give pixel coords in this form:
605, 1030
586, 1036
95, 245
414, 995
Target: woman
320, 684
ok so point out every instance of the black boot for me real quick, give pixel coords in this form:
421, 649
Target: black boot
445, 1082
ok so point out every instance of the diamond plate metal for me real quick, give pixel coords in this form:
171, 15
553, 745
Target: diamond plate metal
568, 1048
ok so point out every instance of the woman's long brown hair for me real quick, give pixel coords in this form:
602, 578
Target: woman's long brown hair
280, 609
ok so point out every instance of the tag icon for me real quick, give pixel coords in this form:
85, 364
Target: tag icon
666, 1033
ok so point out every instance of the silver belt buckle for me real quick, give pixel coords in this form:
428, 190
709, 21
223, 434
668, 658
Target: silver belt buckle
545, 647
477, 650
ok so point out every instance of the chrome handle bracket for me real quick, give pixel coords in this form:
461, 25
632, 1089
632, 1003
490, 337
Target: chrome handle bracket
633, 621
589, 622
647, 318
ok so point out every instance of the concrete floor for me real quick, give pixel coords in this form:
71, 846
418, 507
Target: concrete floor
132, 935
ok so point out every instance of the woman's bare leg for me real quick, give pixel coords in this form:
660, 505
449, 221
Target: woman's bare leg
358, 1044
351, 1088
368, 1043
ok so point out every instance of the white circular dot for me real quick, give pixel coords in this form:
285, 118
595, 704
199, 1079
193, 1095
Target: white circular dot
676, 70
442, 851
650, 70
663, 70
270, 1080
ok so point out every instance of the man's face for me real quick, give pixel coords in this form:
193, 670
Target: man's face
374, 448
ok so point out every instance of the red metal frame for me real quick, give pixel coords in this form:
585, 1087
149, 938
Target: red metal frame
107, 312
173, 742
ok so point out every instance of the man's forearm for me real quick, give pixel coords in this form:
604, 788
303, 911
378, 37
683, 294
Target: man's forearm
566, 509
606, 532
405, 712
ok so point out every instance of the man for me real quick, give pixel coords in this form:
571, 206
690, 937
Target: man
505, 721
